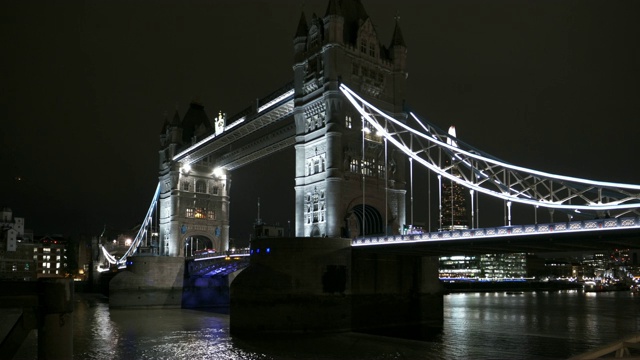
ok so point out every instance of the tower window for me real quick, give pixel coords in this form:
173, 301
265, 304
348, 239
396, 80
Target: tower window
201, 186
355, 70
214, 190
347, 122
185, 186
372, 49
363, 46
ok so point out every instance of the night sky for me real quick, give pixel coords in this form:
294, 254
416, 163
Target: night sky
84, 86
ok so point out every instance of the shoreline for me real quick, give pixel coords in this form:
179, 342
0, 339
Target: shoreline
508, 286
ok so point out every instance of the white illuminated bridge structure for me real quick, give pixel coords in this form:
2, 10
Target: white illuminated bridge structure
609, 207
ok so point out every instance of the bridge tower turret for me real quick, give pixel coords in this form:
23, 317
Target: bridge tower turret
334, 165
194, 196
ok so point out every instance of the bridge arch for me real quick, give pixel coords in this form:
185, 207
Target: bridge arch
373, 221
195, 241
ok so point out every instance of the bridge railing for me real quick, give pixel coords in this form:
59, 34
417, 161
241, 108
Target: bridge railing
217, 255
503, 231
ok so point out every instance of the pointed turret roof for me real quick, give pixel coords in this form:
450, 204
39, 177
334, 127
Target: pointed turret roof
397, 39
176, 119
303, 29
166, 123
333, 8
193, 120
354, 16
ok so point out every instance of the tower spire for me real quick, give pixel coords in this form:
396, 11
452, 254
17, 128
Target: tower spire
258, 220
397, 39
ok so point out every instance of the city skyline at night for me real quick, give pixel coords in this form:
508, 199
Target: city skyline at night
551, 86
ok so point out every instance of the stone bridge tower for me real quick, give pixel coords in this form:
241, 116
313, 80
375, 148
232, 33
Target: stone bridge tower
333, 162
194, 197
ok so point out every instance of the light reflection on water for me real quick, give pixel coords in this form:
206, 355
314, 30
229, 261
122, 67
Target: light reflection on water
536, 325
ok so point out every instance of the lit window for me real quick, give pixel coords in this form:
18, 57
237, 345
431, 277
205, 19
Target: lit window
347, 122
211, 214
189, 213
200, 213
354, 165
46, 250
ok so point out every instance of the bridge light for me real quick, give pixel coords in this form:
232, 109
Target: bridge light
185, 168
218, 172
366, 130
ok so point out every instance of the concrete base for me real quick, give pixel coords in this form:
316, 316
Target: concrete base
149, 282
293, 285
205, 292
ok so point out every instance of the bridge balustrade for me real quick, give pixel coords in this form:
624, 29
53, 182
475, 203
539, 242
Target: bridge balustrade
512, 230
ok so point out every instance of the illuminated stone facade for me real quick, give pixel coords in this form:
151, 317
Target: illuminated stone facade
194, 198
332, 159
335, 159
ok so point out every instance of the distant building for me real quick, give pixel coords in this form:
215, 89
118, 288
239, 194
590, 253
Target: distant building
461, 266
265, 231
49, 255
454, 209
16, 248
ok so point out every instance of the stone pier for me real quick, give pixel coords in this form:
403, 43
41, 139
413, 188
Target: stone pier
312, 285
148, 282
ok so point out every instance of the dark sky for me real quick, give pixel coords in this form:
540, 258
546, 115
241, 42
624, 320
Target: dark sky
552, 85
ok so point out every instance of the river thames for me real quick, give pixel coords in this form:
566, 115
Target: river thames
531, 325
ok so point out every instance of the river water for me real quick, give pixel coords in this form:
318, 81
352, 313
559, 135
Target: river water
531, 325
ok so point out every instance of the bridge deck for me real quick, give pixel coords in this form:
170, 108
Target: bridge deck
587, 235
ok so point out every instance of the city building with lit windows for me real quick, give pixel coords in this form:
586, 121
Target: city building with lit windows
459, 266
503, 266
453, 200
49, 256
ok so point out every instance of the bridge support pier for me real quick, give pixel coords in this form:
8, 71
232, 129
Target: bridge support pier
148, 282
293, 285
203, 291
397, 295
307, 285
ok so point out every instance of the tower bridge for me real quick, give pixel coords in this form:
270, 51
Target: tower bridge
344, 114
